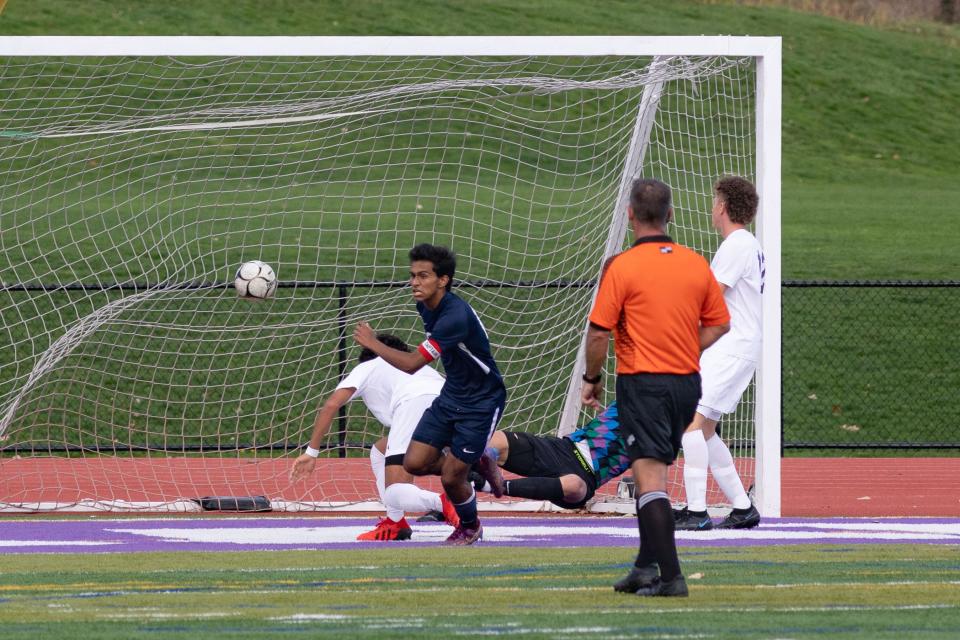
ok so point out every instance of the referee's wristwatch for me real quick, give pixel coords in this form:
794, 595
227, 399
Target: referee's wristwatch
594, 380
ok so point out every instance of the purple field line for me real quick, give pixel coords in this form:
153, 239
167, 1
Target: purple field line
252, 533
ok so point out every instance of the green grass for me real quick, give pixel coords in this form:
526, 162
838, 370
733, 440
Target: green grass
868, 126
886, 380
854, 231
859, 591
869, 192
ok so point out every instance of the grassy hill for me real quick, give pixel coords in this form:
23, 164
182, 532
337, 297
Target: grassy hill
869, 115
869, 185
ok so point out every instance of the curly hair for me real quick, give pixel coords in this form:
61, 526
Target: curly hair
740, 196
388, 339
443, 259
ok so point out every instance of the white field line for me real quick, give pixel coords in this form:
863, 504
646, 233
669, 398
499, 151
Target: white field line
430, 534
392, 590
54, 543
684, 610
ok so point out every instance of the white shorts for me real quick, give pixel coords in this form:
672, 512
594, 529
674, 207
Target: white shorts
406, 417
724, 379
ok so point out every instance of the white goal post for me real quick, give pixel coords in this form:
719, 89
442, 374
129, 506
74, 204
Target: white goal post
143, 170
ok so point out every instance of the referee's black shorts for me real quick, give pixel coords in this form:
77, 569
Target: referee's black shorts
533, 456
655, 409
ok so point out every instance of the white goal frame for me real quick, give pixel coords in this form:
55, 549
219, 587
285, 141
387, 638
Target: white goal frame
765, 50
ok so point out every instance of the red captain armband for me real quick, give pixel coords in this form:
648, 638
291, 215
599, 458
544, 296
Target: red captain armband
429, 349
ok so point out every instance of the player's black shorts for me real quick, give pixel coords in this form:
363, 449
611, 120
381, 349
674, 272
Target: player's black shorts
655, 410
549, 457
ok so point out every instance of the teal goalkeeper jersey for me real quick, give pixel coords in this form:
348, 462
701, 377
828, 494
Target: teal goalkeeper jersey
607, 448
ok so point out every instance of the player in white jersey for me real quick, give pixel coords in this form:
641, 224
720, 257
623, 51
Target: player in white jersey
397, 400
728, 365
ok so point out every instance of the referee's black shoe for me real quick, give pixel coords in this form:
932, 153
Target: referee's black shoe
666, 588
741, 519
638, 578
686, 520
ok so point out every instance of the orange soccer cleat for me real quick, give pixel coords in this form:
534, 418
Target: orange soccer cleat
387, 529
449, 511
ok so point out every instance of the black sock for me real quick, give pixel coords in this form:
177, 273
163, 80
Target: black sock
535, 488
645, 556
656, 529
699, 514
741, 512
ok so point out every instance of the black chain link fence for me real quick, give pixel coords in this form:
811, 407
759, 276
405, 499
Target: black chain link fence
866, 365
871, 365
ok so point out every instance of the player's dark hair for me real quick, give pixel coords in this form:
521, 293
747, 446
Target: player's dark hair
444, 261
651, 201
388, 339
741, 198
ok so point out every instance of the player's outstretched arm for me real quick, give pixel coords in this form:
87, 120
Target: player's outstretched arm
409, 362
305, 463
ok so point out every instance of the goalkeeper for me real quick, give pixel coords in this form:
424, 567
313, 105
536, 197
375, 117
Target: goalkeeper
566, 471
397, 400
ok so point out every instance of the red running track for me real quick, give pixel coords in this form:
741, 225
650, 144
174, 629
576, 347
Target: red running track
811, 487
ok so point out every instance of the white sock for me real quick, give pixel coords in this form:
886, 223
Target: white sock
695, 469
378, 463
402, 497
725, 473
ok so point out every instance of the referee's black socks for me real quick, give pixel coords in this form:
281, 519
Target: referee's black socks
655, 520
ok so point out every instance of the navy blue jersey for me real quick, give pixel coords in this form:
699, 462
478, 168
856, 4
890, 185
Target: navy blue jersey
456, 336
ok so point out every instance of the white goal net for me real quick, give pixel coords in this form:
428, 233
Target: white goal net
133, 377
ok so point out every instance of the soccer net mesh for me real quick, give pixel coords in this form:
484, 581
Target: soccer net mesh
133, 377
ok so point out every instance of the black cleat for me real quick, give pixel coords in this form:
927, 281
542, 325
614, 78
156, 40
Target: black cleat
686, 520
741, 519
476, 480
666, 588
432, 516
638, 578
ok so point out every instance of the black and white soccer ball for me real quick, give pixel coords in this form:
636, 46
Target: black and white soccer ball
255, 279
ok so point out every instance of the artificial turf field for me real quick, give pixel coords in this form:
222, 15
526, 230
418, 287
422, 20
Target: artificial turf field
872, 579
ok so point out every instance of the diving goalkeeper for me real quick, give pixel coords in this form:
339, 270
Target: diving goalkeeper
566, 471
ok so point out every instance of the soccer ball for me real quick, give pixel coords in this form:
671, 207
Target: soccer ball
255, 280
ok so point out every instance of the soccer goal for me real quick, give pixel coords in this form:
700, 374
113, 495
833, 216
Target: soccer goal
141, 172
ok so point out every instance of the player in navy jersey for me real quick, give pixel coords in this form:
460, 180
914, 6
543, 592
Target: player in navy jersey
465, 414
566, 471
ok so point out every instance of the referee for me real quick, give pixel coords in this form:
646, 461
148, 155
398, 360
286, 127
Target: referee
663, 306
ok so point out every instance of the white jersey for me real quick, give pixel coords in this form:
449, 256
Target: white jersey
384, 388
739, 264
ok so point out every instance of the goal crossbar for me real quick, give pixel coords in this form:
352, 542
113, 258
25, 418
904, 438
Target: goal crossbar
760, 47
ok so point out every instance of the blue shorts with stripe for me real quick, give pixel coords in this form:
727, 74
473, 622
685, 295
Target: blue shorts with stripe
466, 429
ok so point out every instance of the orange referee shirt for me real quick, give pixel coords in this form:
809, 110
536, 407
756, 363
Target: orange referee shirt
654, 297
